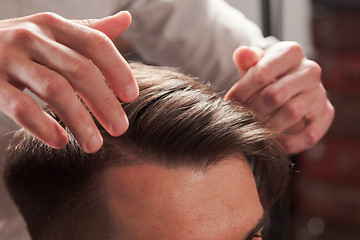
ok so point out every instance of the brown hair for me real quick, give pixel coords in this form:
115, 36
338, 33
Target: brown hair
175, 122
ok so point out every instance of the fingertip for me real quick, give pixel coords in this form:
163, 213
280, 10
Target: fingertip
50, 132
93, 144
126, 89
112, 26
227, 97
120, 127
126, 13
125, 18
130, 92
240, 51
245, 57
62, 139
232, 94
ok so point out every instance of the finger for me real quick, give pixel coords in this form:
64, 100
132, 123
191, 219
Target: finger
310, 135
25, 111
85, 78
244, 58
55, 90
97, 47
295, 109
112, 26
276, 62
275, 95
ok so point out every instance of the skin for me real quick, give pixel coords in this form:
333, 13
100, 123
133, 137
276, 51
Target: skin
285, 88
54, 58
50, 56
153, 202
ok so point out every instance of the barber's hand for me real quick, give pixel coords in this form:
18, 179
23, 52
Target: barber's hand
285, 88
54, 58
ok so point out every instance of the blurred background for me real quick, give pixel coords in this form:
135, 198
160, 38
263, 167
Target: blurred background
323, 201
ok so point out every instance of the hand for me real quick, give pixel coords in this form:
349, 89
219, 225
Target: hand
54, 58
284, 88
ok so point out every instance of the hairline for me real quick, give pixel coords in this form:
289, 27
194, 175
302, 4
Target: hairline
115, 146
99, 180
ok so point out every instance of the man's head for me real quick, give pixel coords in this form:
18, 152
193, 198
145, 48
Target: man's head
184, 170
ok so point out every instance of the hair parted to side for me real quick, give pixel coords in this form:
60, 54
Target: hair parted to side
175, 122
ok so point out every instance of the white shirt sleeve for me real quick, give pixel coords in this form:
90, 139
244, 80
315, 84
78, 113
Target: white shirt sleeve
198, 36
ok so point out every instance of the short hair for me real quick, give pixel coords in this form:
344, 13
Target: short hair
175, 122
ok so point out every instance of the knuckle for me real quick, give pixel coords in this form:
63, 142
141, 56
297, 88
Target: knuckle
328, 111
108, 103
312, 137
47, 18
331, 110
273, 97
319, 90
22, 34
262, 75
322, 91
295, 48
97, 40
314, 69
53, 88
79, 67
293, 110
21, 107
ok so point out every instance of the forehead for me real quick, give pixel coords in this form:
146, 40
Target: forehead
154, 202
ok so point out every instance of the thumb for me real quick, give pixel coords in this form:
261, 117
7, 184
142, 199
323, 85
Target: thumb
246, 57
112, 26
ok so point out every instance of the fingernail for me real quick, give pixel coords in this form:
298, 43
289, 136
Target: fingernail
121, 12
130, 92
93, 144
120, 126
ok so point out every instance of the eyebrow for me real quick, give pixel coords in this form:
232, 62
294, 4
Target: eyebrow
260, 223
